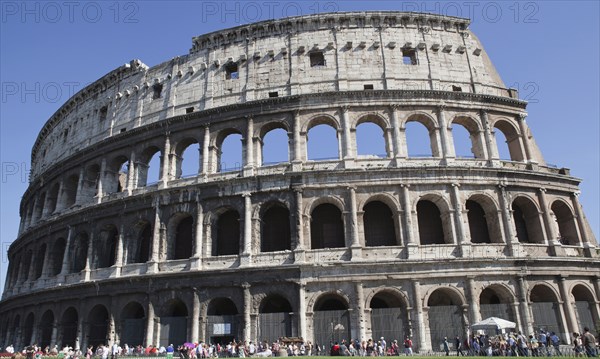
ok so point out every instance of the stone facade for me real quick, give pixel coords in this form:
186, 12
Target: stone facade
288, 249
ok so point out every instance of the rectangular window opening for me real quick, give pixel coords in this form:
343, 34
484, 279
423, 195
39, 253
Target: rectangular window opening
123, 129
189, 110
231, 71
456, 88
409, 56
368, 86
103, 112
157, 91
317, 59
274, 94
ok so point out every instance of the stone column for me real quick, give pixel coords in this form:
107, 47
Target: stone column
420, 325
447, 149
411, 243
156, 238
549, 223
520, 325
90, 253
461, 235
511, 240
119, 251
101, 179
205, 153
568, 306
58, 201
360, 308
355, 245
297, 153
524, 300
165, 162
247, 310
302, 310
66, 257
199, 240
347, 149
150, 324
474, 309
588, 245
195, 316
247, 250
131, 173
299, 245
492, 150
249, 165
399, 144
524, 135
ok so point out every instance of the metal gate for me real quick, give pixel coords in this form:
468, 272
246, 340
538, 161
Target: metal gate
272, 326
331, 326
389, 323
132, 332
445, 321
97, 334
173, 330
45, 334
585, 317
545, 316
69, 335
218, 326
501, 310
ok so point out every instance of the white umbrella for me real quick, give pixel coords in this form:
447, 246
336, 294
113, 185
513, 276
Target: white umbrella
493, 322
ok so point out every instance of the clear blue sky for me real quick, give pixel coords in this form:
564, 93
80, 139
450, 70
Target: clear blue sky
49, 50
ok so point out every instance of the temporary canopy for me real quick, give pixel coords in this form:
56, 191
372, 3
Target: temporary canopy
493, 322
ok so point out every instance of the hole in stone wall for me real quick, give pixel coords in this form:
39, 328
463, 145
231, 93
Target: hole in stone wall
157, 91
368, 87
231, 71
189, 110
409, 56
317, 59
274, 94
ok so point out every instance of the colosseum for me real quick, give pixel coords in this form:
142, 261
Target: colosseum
356, 246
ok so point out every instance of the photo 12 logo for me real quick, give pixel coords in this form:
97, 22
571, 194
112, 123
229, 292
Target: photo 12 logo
241, 12
69, 12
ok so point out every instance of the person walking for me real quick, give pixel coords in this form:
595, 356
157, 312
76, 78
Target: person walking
446, 346
589, 343
458, 344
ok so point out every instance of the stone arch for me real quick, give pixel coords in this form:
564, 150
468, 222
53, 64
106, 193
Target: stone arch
526, 216
320, 119
174, 322
275, 227
545, 307
46, 327
79, 250
140, 242
132, 324
434, 219
331, 318
327, 227
16, 327
68, 327
117, 172
226, 234
446, 313
565, 223
364, 135
70, 191
473, 127
389, 314
52, 198
38, 208
181, 236
26, 267
223, 311
585, 301
380, 224
333, 149
91, 176
39, 264
496, 300
145, 165
429, 123
98, 318
274, 318
184, 149
219, 141
27, 330
513, 138
105, 252
483, 218
264, 128
274, 141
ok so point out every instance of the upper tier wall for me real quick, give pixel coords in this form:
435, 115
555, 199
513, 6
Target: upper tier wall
273, 58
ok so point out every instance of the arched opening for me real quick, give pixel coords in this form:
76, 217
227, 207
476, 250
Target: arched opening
46, 327
326, 227
565, 223
39, 207
478, 225
52, 199
379, 225
174, 323
89, 188
27, 330
462, 141
56, 257
188, 159
116, 178
227, 236
584, 304
139, 249
274, 319
107, 247
16, 327
322, 143
275, 229
545, 309
431, 228
148, 167
230, 153
79, 253
331, 320
183, 237
445, 314
496, 301
98, 326
419, 140
389, 317
68, 328
132, 324
370, 140
275, 147
527, 221
26, 266
223, 322
70, 191
39, 262
512, 139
